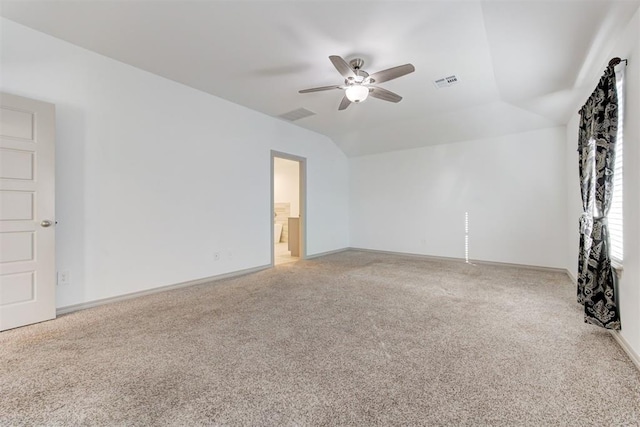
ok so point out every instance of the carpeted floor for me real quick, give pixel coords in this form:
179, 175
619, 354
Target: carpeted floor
349, 339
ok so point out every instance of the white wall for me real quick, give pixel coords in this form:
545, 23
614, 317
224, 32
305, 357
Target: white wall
629, 285
513, 188
286, 184
154, 177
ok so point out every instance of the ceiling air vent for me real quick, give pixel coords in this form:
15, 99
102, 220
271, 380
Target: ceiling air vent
445, 82
298, 114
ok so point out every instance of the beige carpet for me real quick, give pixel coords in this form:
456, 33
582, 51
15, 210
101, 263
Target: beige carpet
350, 339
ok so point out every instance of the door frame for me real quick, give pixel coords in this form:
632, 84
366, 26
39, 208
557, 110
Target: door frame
302, 199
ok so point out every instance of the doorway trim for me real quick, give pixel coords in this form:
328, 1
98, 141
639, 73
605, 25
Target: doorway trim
302, 196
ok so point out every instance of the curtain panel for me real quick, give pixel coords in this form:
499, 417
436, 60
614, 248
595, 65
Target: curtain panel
596, 153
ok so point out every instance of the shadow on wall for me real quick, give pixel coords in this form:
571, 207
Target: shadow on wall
71, 192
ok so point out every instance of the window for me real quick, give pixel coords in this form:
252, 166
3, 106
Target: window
615, 212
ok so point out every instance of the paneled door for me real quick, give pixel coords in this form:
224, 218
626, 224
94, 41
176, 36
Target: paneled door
27, 208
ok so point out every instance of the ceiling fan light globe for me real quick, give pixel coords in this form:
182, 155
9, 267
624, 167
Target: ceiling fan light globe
357, 93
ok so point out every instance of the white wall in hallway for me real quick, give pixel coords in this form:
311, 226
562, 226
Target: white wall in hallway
513, 188
153, 177
286, 184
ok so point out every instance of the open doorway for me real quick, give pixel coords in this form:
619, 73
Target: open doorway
287, 208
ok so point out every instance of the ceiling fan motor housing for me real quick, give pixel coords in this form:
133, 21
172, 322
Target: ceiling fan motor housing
360, 75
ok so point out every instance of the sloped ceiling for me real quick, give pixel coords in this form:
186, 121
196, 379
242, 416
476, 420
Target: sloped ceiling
521, 65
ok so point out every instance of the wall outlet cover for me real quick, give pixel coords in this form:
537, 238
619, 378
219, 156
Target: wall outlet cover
64, 278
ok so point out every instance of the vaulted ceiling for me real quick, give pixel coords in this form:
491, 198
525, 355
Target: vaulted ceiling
521, 65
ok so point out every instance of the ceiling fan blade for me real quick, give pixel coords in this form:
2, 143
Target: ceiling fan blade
385, 95
341, 65
344, 103
319, 89
392, 73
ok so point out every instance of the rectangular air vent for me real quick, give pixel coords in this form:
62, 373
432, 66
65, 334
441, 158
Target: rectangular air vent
298, 114
445, 82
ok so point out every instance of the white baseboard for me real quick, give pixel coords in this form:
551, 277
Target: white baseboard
635, 358
471, 261
622, 342
321, 254
407, 254
95, 303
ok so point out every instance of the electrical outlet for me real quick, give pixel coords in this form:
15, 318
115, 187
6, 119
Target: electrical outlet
216, 256
63, 278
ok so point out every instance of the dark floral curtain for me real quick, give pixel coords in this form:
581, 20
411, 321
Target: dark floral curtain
596, 152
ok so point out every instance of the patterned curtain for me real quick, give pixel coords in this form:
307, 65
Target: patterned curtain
596, 152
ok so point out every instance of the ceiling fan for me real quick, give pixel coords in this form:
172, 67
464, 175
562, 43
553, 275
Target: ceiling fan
358, 84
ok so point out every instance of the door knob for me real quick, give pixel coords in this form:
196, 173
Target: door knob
46, 223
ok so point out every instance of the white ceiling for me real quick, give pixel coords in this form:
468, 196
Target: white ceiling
521, 64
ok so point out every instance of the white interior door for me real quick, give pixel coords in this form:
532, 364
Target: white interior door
27, 207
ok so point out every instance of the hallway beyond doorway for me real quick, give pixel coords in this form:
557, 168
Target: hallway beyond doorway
288, 188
